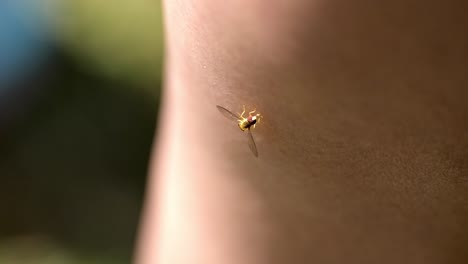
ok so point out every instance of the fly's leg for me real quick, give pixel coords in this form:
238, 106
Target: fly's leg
242, 115
250, 113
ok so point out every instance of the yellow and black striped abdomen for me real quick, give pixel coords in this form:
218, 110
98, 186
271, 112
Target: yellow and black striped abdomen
246, 123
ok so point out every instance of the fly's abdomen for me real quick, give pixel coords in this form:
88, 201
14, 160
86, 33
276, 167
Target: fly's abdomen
244, 124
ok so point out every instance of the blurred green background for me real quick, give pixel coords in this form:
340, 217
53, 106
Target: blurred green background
79, 91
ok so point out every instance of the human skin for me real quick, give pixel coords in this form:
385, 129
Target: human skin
363, 148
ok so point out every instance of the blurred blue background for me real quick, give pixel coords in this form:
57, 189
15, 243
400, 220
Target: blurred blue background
79, 89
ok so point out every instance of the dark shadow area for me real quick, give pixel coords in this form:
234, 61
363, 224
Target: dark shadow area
74, 152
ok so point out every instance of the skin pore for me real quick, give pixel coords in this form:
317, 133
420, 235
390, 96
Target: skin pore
363, 148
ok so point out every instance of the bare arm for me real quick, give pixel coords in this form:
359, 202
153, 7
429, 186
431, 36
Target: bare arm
362, 150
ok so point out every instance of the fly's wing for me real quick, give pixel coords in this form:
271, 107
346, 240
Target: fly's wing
227, 113
252, 145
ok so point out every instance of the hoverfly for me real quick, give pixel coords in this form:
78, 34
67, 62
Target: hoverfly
244, 123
